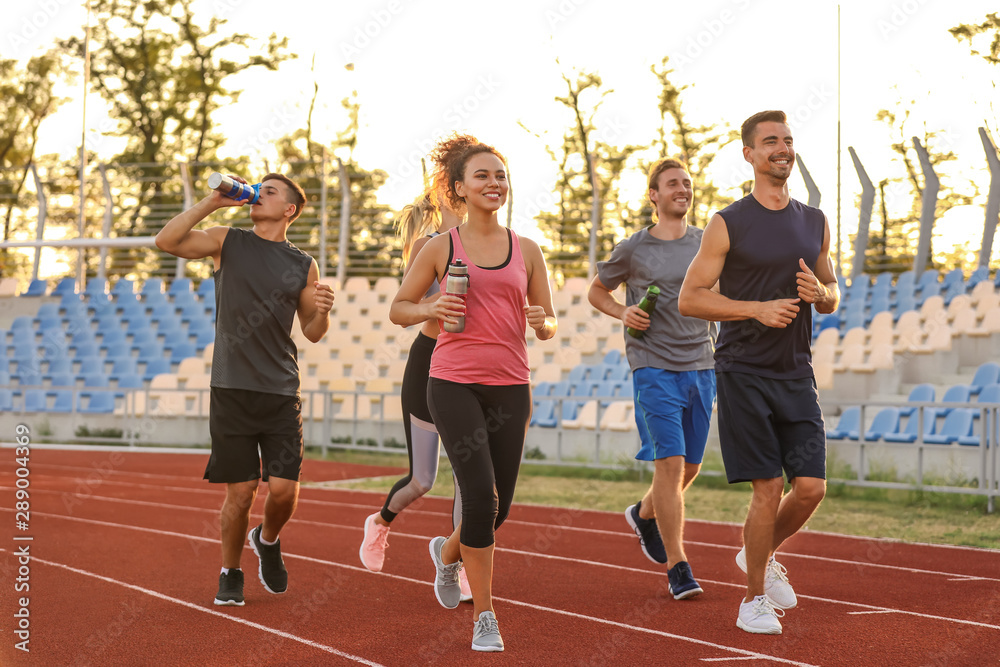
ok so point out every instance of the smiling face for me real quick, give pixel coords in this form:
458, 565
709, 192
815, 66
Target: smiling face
484, 184
274, 203
672, 196
771, 152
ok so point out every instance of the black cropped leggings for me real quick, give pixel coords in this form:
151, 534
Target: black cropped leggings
482, 428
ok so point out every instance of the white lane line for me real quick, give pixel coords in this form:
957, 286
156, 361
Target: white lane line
191, 605
864, 606
862, 613
950, 576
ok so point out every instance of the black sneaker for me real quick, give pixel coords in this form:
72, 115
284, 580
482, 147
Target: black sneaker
230, 589
682, 583
272, 570
649, 535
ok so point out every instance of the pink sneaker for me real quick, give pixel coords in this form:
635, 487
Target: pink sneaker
463, 581
372, 550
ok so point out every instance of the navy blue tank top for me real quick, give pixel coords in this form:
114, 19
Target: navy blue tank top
764, 251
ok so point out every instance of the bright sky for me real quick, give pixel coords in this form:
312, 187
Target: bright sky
423, 69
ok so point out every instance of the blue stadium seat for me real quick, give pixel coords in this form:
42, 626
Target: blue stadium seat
137, 324
102, 306
171, 331
118, 352
57, 367
848, 424
149, 350
181, 351
612, 357
4, 378
35, 400
114, 338
959, 393
143, 336
206, 289
928, 285
123, 288
981, 274
854, 316
63, 400
952, 291
544, 414
82, 334
109, 323
953, 277
987, 373
47, 311
178, 287
123, 366
154, 368
541, 390
989, 394
133, 381
63, 380
96, 380
89, 365
96, 289
830, 321
29, 378
36, 288
560, 388
6, 400
578, 373
64, 286
958, 424
904, 302
922, 393
880, 303
605, 390
909, 434
164, 311
152, 286
85, 349
22, 323
194, 312
97, 402
49, 324
131, 310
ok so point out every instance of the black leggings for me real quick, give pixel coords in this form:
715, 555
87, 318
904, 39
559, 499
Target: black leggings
482, 428
422, 446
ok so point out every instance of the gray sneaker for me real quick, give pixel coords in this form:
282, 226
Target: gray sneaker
486, 633
447, 588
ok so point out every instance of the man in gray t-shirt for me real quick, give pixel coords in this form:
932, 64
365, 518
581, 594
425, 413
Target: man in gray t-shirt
673, 375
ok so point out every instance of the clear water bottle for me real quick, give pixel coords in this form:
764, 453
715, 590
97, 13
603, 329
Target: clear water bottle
457, 284
646, 306
230, 187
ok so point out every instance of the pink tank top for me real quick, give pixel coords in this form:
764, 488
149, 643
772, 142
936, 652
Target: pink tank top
492, 350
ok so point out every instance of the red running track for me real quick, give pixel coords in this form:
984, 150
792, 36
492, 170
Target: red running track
125, 558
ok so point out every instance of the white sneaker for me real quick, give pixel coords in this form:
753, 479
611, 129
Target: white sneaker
760, 617
463, 581
446, 587
776, 584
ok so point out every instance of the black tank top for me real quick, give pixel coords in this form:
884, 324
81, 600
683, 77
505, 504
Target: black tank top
257, 291
764, 251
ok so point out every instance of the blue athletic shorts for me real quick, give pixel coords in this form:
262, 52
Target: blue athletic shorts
767, 426
673, 410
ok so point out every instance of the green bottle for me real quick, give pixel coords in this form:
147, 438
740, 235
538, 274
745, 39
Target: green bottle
646, 305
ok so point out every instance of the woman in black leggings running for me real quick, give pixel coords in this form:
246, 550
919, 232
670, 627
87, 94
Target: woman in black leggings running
425, 215
479, 388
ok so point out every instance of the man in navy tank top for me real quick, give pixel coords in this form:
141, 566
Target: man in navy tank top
262, 282
770, 256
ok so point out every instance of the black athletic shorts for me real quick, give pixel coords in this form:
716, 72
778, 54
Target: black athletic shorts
767, 425
242, 420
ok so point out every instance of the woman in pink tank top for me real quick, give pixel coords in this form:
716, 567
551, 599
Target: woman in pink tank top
479, 389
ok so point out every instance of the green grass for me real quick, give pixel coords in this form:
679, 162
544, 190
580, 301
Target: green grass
912, 516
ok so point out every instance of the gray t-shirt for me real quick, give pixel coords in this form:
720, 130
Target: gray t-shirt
672, 342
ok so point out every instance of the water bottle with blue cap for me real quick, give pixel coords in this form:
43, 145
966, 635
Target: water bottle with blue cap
233, 189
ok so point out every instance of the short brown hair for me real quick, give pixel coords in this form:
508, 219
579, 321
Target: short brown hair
295, 192
661, 166
749, 127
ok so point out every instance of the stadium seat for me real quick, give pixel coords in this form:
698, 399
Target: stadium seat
36, 288
64, 286
22, 323
35, 400
181, 351
544, 414
922, 393
886, 421
612, 357
848, 424
959, 393
586, 417
58, 366
6, 400
96, 380
96, 289
63, 400
989, 394
143, 336
909, 433
958, 424
987, 373
619, 416
149, 351
126, 382
164, 312
179, 286
97, 402
206, 290
124, 289
112, 338
62, 380
123, 366
154, 368
88, 365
